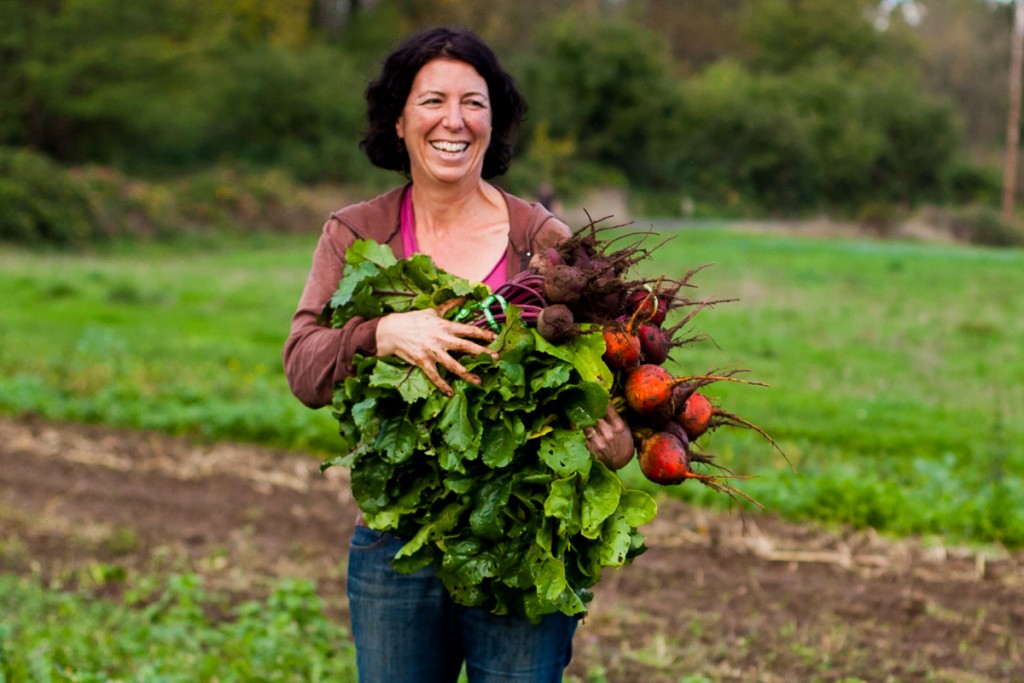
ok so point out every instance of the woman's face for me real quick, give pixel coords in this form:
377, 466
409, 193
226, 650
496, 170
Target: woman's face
446, 122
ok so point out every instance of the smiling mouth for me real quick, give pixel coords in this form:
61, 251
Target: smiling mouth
452, 147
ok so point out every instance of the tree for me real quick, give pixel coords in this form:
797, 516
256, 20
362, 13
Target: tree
607, 86
791, 34
699, 32
1013, 120
965, 58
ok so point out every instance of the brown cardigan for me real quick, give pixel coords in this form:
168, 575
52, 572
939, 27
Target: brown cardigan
316, 357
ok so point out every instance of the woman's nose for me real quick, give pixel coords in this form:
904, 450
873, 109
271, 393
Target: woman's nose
453, 117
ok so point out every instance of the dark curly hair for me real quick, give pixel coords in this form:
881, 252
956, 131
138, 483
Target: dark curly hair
386, 97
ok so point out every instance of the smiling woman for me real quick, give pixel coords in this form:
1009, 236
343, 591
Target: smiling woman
446, 122
445, 113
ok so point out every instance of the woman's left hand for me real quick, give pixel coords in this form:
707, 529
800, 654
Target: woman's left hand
610, 440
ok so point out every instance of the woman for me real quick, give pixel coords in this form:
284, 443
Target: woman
444, 113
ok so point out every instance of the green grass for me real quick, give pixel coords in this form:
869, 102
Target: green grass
182, 340
177, 633
895, 370
895, 373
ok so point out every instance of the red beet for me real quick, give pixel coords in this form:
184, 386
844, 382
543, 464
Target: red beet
648, 390
564, 284
664, 459
695, 416
622, 349
650, 307
654, 343
556, 323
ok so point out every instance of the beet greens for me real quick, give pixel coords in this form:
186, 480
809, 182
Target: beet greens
493, 486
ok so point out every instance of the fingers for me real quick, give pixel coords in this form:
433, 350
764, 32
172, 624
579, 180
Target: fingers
455, 368
609, 427
462, 336
450, 304
426, 340
435, 378
610, 441
613, 418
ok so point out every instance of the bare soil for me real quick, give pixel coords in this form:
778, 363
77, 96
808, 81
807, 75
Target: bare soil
719, 596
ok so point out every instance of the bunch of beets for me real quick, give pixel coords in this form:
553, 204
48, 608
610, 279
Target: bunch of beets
581, 286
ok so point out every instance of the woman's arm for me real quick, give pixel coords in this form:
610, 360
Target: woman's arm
315, 355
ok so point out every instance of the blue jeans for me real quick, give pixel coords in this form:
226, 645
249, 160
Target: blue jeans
407, 629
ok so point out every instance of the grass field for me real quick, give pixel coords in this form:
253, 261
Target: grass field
168, 635
895, 370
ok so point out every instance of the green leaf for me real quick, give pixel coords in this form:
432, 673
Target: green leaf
344, 460
584, 353
439, 525
421, 274
458, 426
353, 283
370, 251
456, 287
469, 562
397, 438
552, 377
370, 477
600, 499
547, 571
488, 519
513, 379
515, 341
584, 404
500, 440
565, 452
638, 507
563, 504
616, 536
365, 415
410, 381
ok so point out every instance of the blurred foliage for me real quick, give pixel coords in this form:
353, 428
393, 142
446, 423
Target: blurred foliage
41, 203
742, 107
604, 87
788, 36
44, 203
965, 46
814, 139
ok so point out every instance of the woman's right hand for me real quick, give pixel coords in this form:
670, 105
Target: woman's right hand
425, 339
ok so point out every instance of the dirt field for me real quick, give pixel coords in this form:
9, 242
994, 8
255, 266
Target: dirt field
717, 595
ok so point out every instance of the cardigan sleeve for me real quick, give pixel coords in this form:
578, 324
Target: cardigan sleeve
315, 355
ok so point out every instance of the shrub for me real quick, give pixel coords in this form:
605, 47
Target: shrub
607, 88
977, 224
297, 110
742, 142
965, 183
42, 203
984, 226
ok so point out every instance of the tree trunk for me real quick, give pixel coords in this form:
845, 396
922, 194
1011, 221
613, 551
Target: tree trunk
331, 16
1013, 120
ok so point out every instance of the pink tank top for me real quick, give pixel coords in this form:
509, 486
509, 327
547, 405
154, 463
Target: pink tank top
494, 279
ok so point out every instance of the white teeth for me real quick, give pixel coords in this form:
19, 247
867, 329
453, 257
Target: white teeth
450, 146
